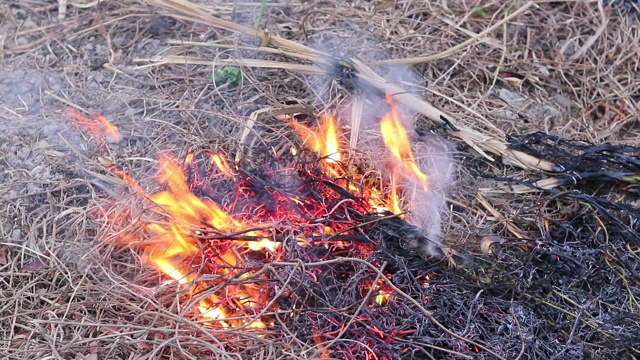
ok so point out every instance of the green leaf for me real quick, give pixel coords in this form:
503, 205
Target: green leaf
631, 179
228, 75
479, 11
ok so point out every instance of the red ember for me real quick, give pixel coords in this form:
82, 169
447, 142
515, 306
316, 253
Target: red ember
215, 226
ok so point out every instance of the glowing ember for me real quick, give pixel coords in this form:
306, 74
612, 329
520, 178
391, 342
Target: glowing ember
228, 229
98, 127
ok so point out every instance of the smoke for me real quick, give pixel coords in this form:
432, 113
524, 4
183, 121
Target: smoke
432, 156
347, 39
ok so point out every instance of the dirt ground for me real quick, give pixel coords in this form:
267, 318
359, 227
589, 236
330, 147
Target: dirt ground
566, 68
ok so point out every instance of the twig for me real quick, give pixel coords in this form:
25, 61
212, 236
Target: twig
522, 348
355, 314
66, 102
455, 49
483, 143
573, 330
426, 312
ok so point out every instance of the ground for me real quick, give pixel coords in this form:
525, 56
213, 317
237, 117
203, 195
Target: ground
561, 280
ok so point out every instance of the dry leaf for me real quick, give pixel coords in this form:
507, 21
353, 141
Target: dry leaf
4, 255
35, 265
514, 81
92, 356
487, 241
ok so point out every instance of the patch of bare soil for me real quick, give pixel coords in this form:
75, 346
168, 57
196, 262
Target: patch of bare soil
538, 102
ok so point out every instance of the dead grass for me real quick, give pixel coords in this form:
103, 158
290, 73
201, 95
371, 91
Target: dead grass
569, 68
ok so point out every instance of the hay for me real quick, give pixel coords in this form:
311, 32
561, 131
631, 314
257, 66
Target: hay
561, 280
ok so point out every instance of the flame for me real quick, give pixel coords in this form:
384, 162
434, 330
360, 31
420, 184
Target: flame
324, 141
173, 242
188, 234
394, 196
98, 127
383, 295
221, 164
396, 139
331, 148
382, 298
188, 209
111, 131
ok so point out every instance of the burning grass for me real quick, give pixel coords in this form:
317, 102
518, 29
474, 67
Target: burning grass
548, 260
228, 234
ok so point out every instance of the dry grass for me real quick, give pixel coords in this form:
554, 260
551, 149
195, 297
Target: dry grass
568, 68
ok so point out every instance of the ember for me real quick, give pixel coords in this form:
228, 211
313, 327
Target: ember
219, 230
98, 127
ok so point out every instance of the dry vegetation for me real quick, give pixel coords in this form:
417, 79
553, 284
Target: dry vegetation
565, 283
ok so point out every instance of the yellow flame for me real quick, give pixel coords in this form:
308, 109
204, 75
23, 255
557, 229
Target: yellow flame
394, 201
396, 139
331, 150
324, 141
382, 298
222, 164
174, 243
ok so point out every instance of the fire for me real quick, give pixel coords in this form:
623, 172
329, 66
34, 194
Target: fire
324, 141
394, 196
186, 233
221, 164
184, 206
395, 137
331, 149
101, 129
383, 295
173, 242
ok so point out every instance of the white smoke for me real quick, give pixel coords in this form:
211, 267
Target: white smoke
426, 207
432, 154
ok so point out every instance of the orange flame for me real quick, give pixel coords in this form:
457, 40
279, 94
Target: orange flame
221, 164
184, 222
98, 127
324, 141
395, 137
188, 209
173, 243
